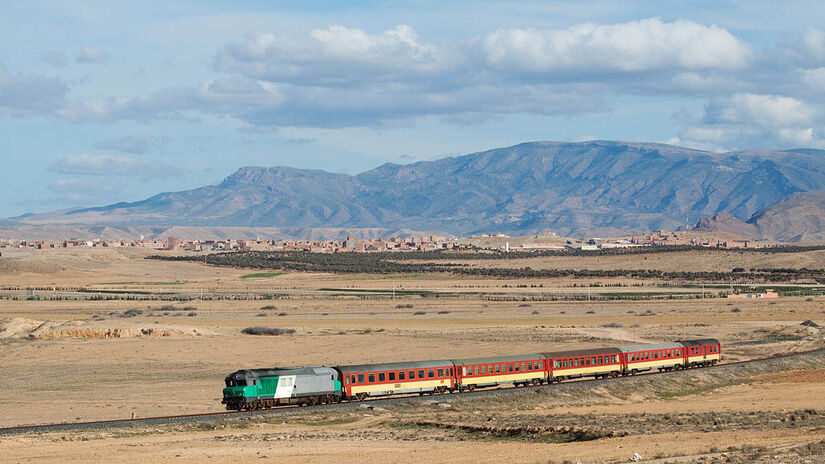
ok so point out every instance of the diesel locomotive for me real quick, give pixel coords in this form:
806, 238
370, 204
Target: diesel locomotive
265, 388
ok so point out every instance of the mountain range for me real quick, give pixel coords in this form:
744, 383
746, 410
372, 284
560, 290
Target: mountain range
591, 188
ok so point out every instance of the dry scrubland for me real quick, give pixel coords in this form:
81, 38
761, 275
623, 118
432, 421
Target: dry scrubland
63, 359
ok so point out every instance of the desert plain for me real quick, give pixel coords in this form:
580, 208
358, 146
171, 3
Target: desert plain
101, 334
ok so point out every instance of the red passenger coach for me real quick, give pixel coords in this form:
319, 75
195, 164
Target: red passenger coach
702, 352
362, 380
520, 369
596, 362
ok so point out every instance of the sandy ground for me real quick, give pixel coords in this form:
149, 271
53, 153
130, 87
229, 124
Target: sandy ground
67, 360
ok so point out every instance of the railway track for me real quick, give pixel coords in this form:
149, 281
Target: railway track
208, 416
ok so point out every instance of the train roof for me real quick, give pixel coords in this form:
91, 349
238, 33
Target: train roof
583, 352
700, 341
497, 359
649, 347
278, 371
396, 366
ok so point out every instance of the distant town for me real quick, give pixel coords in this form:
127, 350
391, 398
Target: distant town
501, 242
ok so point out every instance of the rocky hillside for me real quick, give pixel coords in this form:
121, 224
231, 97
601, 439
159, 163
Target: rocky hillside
588, 188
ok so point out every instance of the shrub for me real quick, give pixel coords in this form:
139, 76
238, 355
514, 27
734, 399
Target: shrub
443, 312
282, 314
268, 307
260, 330
192, 314
591, 312
736, 309
130, 313
524, 305
612, 325
419, 313
404, 306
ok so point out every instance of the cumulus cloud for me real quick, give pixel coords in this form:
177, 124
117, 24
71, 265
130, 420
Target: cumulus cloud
748, 120
92, 55
137, 145
56, 58
112, 165
635, 46
761, 110
30, 94
334, 57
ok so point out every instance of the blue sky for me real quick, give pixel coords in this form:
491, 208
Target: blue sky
106, 101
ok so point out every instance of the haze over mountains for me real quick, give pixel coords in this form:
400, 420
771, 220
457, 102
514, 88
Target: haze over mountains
580, 189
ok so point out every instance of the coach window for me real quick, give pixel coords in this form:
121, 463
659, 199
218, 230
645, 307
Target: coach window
430, 373
382, 377
450, 372
360, 378
401, 375
371, 378
484, 370
441, 372
412, 375
524, 366
517, 368
509, 368
391, 376
498, 368
421, 373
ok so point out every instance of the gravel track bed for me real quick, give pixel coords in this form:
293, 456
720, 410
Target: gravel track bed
743, 368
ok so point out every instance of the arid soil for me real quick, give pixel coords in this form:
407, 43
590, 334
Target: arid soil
77, 356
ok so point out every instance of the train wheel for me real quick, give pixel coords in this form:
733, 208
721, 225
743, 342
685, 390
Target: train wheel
360, 396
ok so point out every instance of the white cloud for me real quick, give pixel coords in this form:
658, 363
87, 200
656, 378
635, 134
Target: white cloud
635, 46
761, 110
814, 40
28, 95
90, 54
111, 165
814, 78
336, 56
137, 145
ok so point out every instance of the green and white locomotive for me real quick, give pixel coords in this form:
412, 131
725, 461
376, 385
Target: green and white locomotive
266, 388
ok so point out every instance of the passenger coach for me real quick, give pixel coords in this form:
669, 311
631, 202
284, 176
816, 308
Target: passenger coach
702, 352
596, 362
490, 371
662, 356
363, 380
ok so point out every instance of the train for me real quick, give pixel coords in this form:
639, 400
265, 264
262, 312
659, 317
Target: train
252, 389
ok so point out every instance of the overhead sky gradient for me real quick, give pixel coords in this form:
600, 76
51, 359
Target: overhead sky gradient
106, 101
